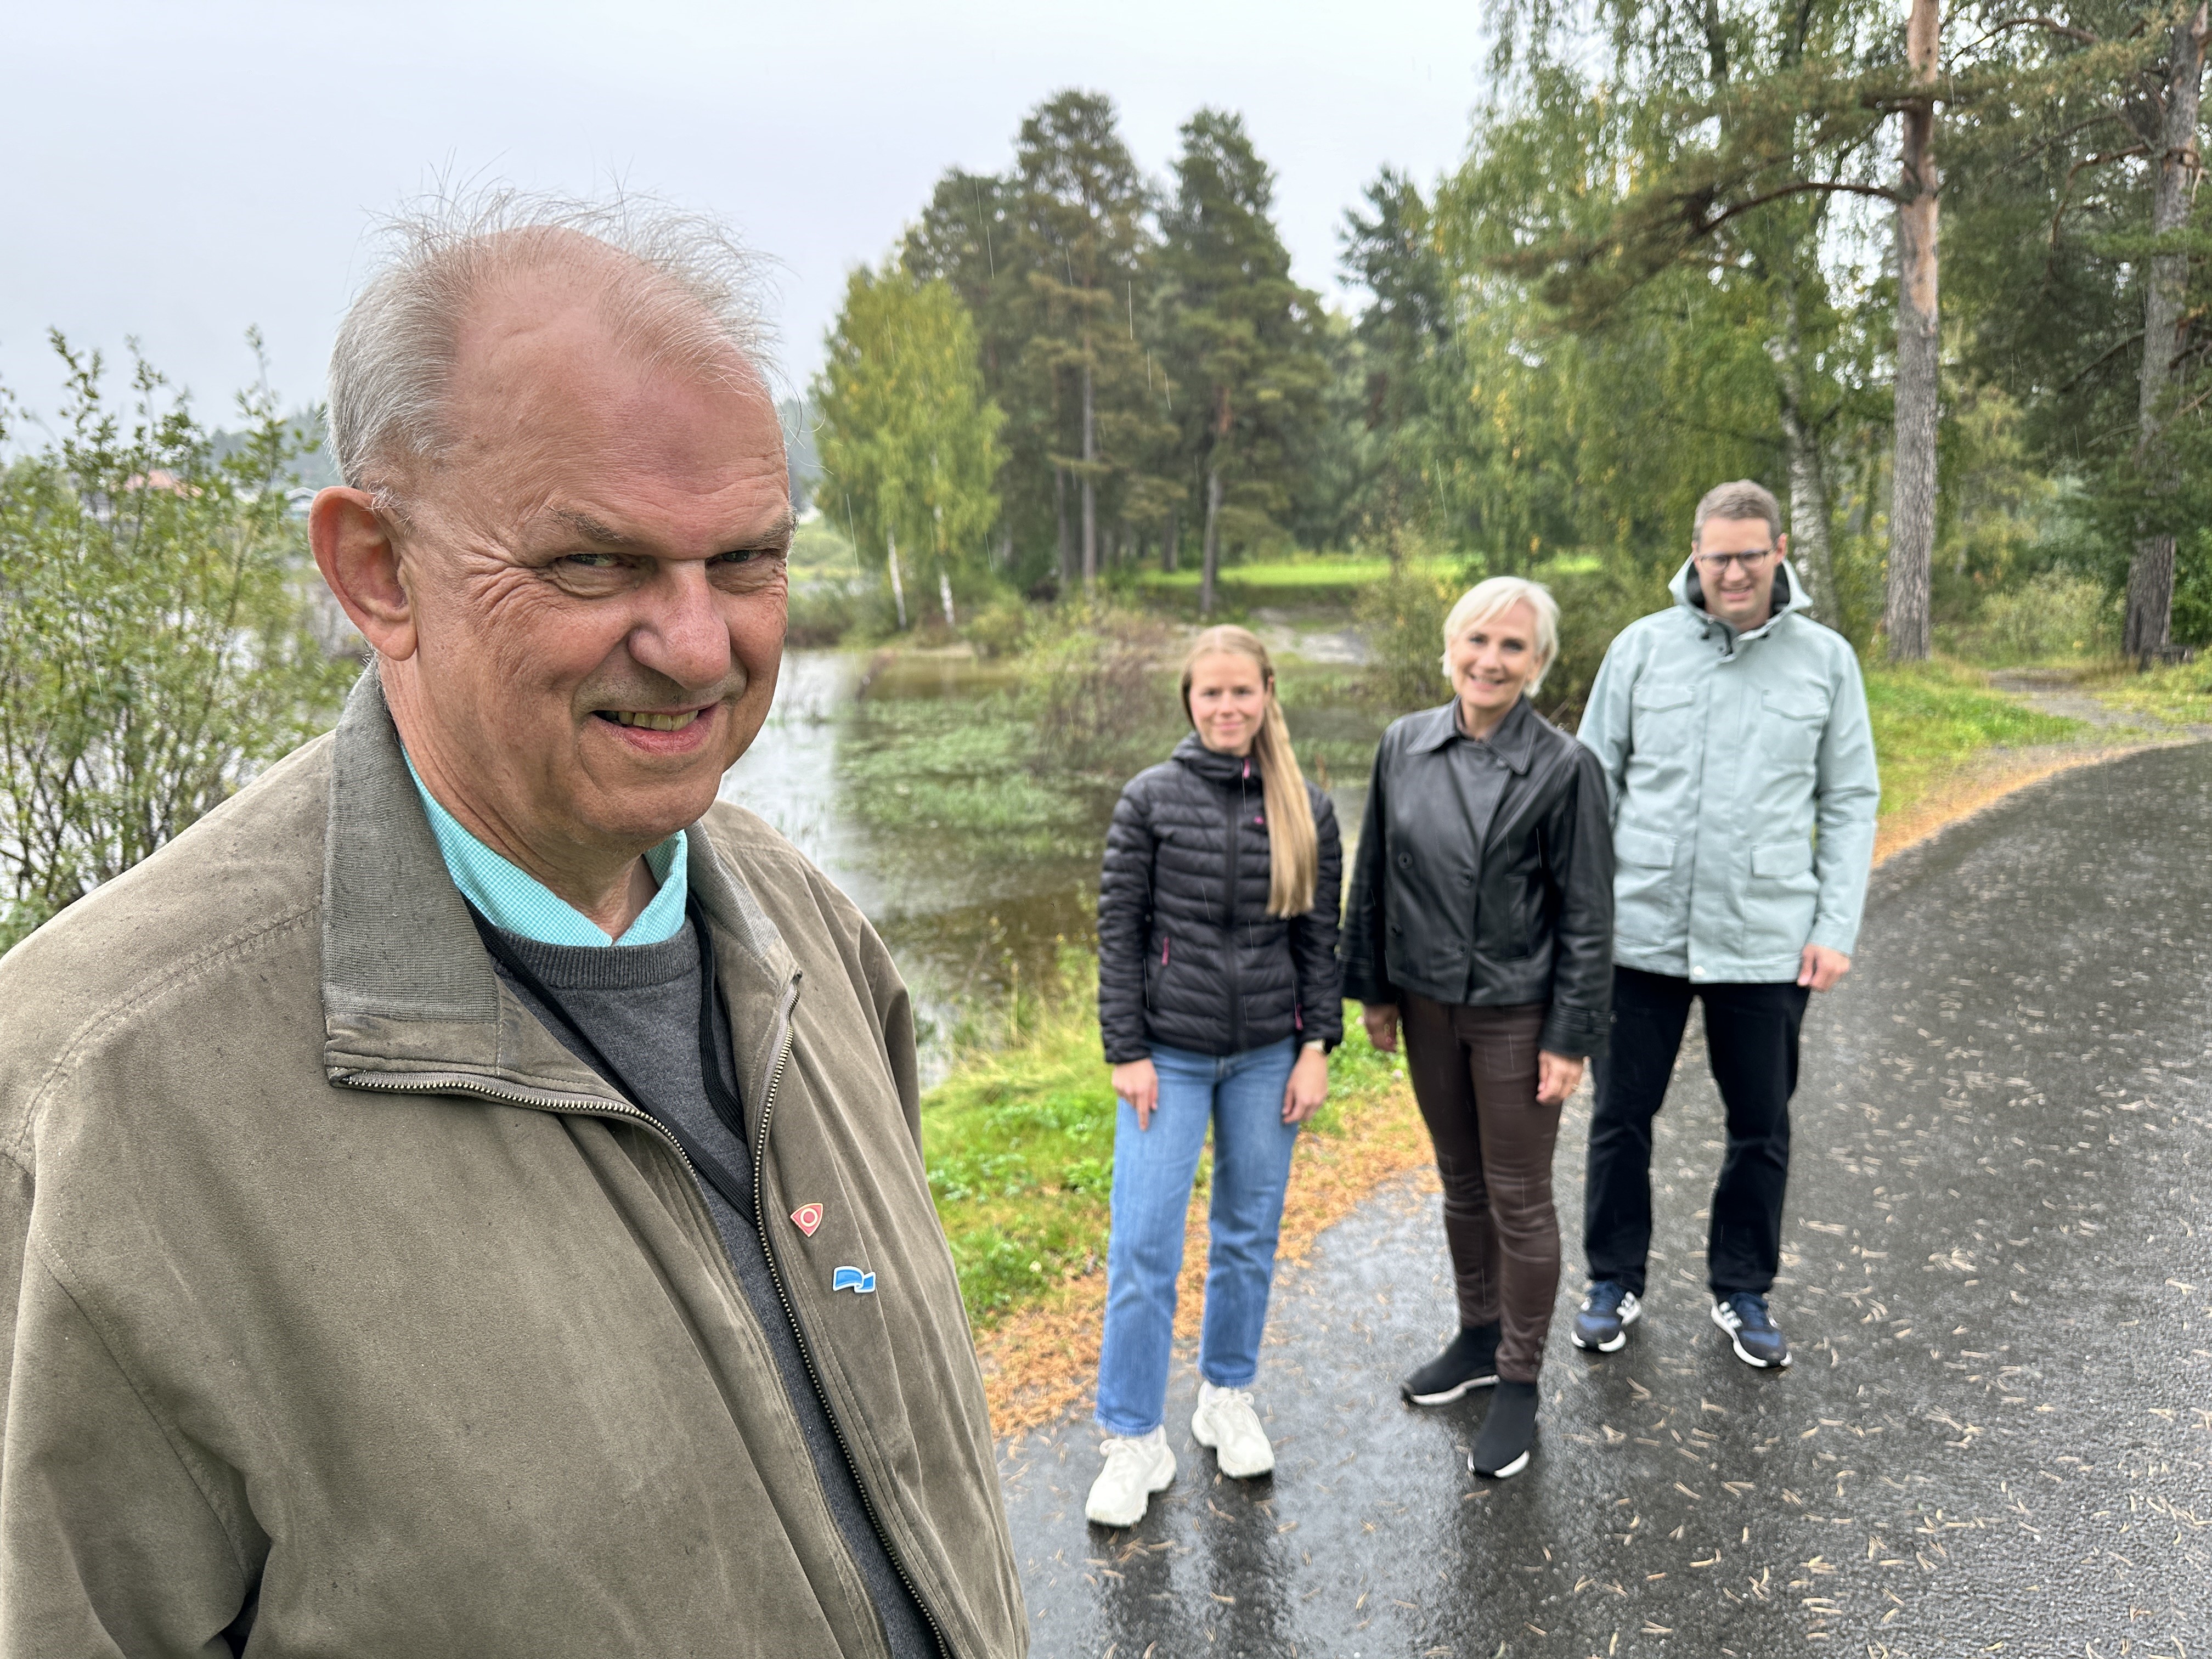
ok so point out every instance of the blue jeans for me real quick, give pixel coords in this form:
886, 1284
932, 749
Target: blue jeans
1241, 1097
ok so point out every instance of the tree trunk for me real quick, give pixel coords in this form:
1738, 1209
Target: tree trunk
1809, 482
1090, 486
1171, 543
944, 598
1060, 522
2150, 572
898, 587
1912, 474
1212, 557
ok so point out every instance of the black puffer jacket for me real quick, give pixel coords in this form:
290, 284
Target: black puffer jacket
1189, 957
1485, 875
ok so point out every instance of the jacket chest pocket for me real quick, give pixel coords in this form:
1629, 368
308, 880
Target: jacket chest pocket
1663, 719
1789, 727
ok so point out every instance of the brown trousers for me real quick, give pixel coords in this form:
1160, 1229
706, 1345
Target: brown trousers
1474, 1072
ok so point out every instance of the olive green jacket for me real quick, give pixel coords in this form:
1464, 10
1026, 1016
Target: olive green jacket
345, 1307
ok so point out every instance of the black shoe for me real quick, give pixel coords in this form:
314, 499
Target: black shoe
1759, 1341
1607, 1313
1509, 1433
1471, 1362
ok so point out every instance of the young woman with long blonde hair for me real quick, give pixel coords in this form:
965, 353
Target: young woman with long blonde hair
1218, 998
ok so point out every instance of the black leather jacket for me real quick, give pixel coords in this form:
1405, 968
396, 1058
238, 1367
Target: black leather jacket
1484, 875
1189, 957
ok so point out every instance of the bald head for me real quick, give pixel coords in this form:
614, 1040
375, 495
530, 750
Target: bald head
675, 292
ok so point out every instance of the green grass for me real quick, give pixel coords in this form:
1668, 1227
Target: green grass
1930, 718
2179, 695
1020, 1144
1285, 578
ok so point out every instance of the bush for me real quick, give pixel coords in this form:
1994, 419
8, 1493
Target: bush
159, 643
1091, 688
822, 613
1403, 618
2055, 614
1596, 603
1000, 627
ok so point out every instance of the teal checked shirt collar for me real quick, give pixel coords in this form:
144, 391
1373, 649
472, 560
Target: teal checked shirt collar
518, 902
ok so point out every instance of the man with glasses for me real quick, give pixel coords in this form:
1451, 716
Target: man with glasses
1733, 730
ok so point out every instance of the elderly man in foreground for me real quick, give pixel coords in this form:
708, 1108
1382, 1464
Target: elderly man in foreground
465, 1197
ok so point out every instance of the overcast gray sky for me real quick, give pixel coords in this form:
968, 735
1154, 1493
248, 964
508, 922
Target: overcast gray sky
180, 172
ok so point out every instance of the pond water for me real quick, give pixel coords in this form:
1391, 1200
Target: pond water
913, 782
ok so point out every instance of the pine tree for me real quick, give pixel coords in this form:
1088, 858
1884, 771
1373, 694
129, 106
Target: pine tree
1244, 340
1084, 247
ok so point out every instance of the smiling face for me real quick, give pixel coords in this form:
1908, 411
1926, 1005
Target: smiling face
1491, 661
1228, 700
1741, 590
596, 579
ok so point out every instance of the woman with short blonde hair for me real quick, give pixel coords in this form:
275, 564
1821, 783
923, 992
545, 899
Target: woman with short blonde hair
1481, 917
1218, 998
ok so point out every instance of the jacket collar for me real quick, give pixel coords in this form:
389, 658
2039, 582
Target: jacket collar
1512, 739
407, 984
1211, 764
1689, 597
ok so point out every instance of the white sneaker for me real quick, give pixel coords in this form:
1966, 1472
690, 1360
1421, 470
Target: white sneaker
1135, 1470
1224, 1420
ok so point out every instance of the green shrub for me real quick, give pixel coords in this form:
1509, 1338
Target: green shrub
822, 613
159, 636
1402, 615
2055, 614
1092, 689
999, 628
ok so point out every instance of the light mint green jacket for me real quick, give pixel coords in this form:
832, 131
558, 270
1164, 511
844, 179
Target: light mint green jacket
1741, 768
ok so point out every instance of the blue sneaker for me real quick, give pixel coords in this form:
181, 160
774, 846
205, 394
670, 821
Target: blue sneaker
1758, 1341
1607, 1313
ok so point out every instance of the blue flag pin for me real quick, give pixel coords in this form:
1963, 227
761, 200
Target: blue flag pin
851, 1278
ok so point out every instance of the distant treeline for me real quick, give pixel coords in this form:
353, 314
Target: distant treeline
1669, 257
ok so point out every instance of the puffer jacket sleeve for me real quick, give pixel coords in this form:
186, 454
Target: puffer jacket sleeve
1367, 972
1313, 935
1578, 851
1125, 917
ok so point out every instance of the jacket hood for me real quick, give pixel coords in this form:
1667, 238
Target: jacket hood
1689, 595
1213, 766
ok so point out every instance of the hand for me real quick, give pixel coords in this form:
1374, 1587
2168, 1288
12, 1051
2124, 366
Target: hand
1136, 1082
1821, 967
1381, 1019
1557, 1076
1308, 1086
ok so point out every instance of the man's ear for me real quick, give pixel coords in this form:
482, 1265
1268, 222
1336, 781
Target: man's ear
1782, 544
355, 552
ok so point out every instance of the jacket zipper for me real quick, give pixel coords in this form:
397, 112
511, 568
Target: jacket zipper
1230, 976
593, 1106
775, 1273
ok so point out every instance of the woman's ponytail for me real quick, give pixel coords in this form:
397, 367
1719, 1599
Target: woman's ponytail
1294, 845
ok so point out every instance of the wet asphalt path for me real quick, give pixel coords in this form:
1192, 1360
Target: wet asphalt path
1997, 1436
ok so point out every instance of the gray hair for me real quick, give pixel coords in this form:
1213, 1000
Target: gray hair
1744, 499
1493, 598
678, 290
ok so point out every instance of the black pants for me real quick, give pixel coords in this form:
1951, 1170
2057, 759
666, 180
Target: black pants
1751, 1038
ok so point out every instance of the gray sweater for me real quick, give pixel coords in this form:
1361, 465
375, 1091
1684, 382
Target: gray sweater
640, 1004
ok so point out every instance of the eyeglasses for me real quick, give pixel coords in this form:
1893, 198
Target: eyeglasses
1714, 564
